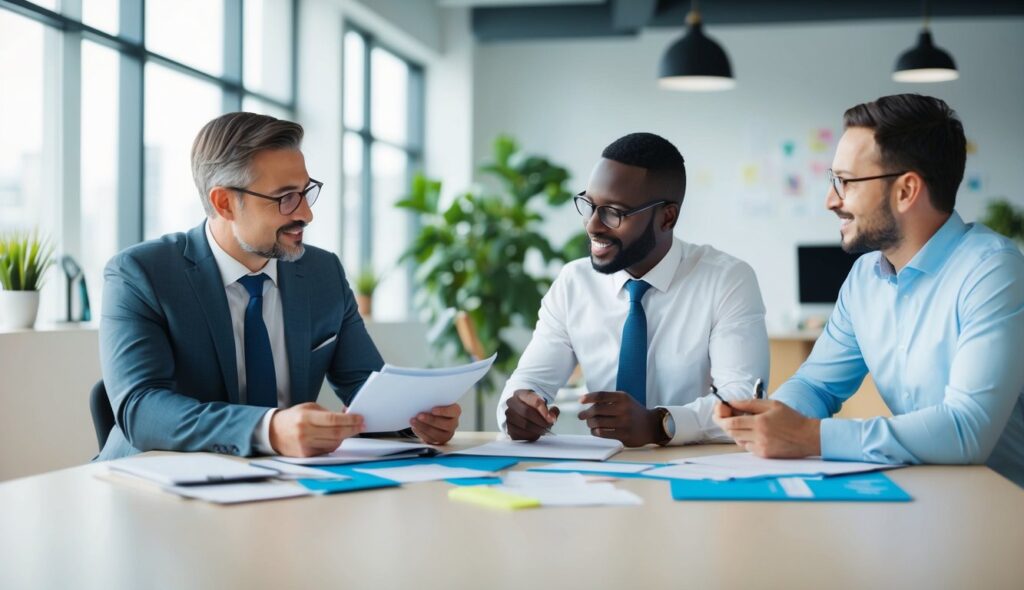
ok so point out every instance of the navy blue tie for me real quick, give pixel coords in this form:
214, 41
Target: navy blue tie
632, 376
260, 379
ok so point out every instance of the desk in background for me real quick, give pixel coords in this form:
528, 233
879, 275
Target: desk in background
68, 529
790, 349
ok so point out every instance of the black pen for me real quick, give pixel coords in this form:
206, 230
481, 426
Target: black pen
714, 392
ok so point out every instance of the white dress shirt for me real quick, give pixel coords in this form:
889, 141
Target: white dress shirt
705, 324
273, 316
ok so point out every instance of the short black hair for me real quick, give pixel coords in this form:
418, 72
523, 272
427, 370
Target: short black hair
656, 154
919, 133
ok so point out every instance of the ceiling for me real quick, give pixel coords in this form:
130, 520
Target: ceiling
505, 20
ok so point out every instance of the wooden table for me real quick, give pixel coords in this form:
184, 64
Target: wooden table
69, 529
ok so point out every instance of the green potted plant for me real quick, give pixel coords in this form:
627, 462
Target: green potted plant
471, 255
1004, 218
366, 284
24, 258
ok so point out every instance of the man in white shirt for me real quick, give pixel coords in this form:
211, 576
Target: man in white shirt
652, 321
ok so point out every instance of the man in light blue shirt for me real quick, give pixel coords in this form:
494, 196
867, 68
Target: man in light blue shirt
935, 311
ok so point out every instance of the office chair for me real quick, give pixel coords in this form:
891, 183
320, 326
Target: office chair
102, 413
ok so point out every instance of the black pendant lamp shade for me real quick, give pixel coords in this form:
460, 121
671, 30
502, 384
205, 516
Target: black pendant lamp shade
925, 62
695, 62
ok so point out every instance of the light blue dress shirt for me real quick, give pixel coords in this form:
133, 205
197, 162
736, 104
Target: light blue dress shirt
944, 341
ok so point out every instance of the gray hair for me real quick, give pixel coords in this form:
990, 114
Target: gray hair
222, 152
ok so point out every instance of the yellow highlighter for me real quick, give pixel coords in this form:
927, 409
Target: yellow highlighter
492, 498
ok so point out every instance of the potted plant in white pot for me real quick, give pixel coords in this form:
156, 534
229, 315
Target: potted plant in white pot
24, 258
366, 284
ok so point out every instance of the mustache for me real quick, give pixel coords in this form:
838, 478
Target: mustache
843, 215
292, 226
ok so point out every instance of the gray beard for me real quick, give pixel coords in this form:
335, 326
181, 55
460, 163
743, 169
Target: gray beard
275, 252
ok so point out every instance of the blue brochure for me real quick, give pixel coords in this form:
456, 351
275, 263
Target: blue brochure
358, 481
860, 487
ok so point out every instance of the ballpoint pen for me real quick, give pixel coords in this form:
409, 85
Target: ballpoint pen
714, 392
759, 389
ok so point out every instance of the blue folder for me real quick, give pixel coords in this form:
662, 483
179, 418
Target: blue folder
861, 487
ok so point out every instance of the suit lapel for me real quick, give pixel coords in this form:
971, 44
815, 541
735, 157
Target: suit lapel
205, 279
295, 303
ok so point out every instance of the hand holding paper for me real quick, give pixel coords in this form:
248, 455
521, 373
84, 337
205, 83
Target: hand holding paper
390, 399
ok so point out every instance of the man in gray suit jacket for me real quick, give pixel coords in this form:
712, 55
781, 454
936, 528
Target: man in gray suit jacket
219, 339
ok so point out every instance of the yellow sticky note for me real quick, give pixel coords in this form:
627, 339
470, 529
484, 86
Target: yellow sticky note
492, 498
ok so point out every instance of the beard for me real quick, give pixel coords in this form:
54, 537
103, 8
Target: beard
629, 255
276, 250
877, 232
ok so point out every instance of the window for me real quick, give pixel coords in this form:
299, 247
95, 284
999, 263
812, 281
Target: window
102, 174
385, 90
202, 47
100, 70
172, 201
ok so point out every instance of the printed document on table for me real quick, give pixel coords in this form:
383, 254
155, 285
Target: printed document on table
429, 472
391, 397
189, 469
582, 447
236, 493
361, 450
742, 465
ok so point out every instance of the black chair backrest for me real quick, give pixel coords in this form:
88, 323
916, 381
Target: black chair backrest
102, 413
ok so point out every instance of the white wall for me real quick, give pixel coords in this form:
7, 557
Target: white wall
569, 99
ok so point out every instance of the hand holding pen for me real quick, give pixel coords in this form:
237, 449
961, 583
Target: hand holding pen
758, 394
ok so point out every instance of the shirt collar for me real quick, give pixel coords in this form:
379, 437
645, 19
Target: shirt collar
930, 258
660, 277
230, 269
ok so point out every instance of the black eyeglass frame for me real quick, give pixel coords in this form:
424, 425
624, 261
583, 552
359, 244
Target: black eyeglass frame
303, 194
605, 210
839, 183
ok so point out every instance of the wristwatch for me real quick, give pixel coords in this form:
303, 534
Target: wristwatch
668, 426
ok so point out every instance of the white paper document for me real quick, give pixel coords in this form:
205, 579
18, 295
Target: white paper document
418, 473
189, 469
235, 493
691, 471
595, 466
742, 465
391, 397
582, 447
566, 489
361, 450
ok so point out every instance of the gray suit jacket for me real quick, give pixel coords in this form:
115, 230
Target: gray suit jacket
168, 351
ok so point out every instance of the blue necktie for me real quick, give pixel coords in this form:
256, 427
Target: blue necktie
632, 377
260, 379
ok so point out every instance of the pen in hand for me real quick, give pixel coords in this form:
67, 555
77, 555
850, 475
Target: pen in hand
714, 392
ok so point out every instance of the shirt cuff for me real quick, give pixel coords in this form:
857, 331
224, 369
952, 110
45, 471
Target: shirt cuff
687, 425
840, 440
261, 434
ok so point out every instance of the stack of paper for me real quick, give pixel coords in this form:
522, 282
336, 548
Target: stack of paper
746, 465
190, 469
563, 446
209, 478
391, 397
361, 450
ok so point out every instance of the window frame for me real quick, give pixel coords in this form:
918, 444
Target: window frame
413, 148
130, 45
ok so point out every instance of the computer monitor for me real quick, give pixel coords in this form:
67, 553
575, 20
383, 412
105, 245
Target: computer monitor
821, 271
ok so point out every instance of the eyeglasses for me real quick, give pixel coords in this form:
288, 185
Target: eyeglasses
840, 183
609, 216
289, 202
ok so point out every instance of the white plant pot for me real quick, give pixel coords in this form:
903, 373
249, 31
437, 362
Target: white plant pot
18, 309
